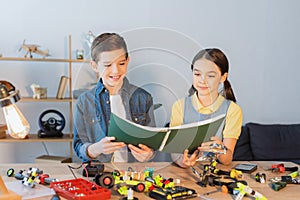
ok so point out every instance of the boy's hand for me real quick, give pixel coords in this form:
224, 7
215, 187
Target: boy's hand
104, 146
142, 153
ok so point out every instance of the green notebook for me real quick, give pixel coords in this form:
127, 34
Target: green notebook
171, 140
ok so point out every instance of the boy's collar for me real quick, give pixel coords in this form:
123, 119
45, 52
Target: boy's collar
125, 86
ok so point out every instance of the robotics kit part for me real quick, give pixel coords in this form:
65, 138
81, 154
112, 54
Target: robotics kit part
260, 177
280, 168
177, 192
105, 180
92, 170
246, 167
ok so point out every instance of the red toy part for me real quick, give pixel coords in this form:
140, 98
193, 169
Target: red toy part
45, 179
140, 187
278, 168
80, 189
167, 181
42, 178
151, 187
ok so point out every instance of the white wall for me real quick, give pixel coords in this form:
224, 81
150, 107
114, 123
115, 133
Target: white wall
259, 37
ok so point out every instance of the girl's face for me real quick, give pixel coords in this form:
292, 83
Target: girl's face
112, 67
207, 77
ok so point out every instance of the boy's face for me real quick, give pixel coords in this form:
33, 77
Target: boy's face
112, 68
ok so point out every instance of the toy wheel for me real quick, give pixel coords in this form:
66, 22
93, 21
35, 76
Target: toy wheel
139, 187
105, 180
10, 172
117, 173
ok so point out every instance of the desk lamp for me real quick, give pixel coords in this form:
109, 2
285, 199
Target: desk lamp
17, 125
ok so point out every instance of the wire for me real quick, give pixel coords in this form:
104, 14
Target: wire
71, 169
43, 143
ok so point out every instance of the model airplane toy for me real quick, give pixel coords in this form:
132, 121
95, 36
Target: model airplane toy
33, 48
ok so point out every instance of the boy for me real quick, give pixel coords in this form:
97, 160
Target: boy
113, 93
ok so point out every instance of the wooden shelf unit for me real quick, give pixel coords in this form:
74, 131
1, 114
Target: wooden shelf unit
48, 99
34, 138
66, 137
42, 59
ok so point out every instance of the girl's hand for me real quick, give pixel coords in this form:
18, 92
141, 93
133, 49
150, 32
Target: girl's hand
228, 143
191, 160
142, 153
206, 145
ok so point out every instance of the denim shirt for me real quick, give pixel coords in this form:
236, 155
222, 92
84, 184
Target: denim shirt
92, 115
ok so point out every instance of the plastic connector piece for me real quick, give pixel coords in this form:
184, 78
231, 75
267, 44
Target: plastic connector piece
260, 177
92, 170
278, 185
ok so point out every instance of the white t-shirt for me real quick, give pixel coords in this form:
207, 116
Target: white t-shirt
118, 108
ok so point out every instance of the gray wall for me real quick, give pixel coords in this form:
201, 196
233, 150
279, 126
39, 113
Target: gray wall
259, 37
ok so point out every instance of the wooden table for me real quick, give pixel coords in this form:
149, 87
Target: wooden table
167, 170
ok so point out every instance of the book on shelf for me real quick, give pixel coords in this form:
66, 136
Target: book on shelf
166, 139
62, 87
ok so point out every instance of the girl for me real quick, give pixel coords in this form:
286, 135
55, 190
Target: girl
210, 69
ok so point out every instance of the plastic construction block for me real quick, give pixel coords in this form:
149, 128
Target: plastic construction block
80, 189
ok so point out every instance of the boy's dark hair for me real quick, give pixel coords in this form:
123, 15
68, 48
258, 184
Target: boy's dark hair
219, 58
107, 42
